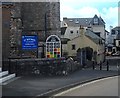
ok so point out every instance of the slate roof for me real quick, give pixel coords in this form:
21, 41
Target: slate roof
100, 20
63, 30
76, 22
7, 3
93, 36
116, 28
64, 40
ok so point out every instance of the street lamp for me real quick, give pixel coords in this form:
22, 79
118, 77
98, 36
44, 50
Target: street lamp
45, 17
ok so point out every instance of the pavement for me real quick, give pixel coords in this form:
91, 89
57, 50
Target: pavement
101, 87
39, 85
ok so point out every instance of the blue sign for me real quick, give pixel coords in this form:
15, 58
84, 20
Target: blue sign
29, 42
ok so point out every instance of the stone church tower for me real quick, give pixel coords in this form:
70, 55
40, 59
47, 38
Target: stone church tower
32, 18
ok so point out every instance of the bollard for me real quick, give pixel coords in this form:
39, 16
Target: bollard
107, 67
100, 67
9, 66
93, 65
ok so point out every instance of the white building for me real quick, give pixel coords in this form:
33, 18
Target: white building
96, 24
70, 28
113, 40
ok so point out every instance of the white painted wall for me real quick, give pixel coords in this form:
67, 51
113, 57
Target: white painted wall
63, 24
70, 35
117, 43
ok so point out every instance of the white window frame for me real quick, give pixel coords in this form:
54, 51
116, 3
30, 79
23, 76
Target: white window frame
95, 20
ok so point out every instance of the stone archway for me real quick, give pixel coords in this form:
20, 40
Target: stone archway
84, 54
89, 53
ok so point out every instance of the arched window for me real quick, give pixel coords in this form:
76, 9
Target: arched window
53, 47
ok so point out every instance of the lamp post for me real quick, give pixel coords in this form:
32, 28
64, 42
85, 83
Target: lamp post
45, 26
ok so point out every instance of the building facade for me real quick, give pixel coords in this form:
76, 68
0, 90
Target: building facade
6, 18
70, 30
31, 18
113, 40
96, 24
87, 39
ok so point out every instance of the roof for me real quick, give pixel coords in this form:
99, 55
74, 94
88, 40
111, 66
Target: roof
64, 40
93, 36
107, 31
76, 22
100, 20
116, 28
7, 3
63, 29
110, 45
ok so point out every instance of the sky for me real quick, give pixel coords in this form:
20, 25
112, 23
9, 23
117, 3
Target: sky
107, 9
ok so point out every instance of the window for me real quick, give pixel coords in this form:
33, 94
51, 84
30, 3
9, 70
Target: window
76, 21
97, 33
70, 20
113, 32
95, 20
118, 31
71, 32
73, 47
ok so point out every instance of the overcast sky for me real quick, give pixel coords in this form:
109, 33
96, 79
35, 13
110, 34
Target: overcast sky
107, 9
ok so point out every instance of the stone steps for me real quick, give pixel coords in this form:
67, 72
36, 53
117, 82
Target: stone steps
5, 76
4, 73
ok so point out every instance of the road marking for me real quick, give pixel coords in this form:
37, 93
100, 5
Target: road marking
64, 92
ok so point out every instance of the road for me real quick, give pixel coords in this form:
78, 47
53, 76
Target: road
40, 85
102, 87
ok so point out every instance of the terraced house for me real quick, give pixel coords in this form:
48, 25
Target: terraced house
92, 36
113, 41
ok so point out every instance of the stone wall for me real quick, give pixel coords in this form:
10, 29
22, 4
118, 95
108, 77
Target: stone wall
6, 17
15, 31
40, 18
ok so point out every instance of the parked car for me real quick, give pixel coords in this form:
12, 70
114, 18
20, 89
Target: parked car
116, 54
